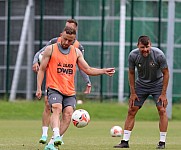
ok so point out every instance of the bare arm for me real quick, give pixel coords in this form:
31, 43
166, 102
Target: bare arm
83, 65
41, 72
165, 80
163, 96
133, 95
131, 77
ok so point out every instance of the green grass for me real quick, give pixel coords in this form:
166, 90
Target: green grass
24, 135
28, 110
20, 127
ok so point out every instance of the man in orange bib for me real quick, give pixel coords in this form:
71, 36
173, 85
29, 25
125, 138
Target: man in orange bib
59, 62
46, 113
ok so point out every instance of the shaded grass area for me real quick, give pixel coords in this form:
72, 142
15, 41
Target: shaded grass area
24, 135
32, 110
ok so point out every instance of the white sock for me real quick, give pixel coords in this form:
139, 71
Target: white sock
45, 131
126, 135
51, 141
56, 132
163, 136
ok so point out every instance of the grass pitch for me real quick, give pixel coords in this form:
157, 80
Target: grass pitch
20, 127
24, 135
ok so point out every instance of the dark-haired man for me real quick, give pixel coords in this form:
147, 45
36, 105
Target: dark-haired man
153, 77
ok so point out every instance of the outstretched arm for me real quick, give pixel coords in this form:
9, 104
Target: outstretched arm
83, 65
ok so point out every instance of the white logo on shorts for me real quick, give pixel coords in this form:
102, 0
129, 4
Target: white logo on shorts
54, 98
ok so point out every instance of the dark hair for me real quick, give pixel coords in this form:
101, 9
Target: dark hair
144, 39
72, 21
69, 30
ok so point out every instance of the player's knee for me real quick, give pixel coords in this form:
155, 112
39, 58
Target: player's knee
67, 114
162, 111
47, 109
56, 108
132, 111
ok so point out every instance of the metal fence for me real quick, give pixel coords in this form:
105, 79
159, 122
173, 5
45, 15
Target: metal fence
99, 33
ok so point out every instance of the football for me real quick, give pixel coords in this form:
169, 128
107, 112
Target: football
80, 118
116, 131
40, 56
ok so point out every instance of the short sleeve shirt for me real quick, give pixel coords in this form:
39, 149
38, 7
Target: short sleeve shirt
149, 68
